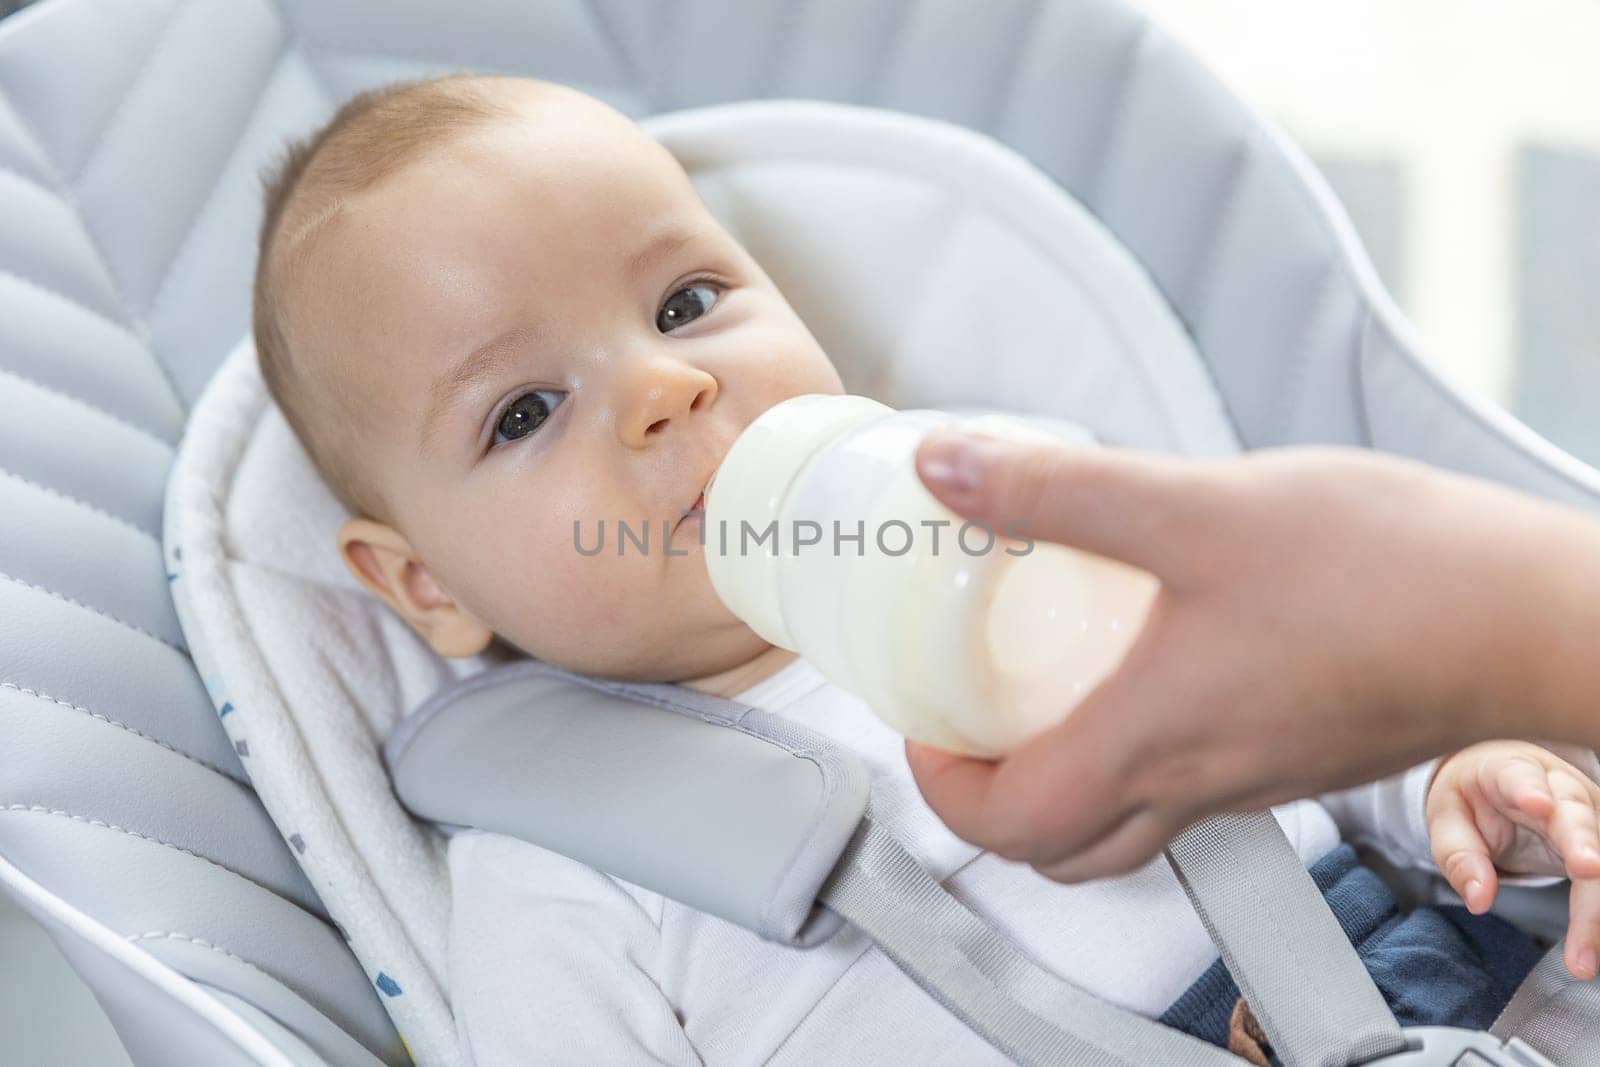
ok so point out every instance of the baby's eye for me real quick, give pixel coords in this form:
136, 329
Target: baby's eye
686, 305
526, 413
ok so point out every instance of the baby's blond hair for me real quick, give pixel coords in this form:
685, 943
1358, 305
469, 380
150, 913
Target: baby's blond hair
371, 137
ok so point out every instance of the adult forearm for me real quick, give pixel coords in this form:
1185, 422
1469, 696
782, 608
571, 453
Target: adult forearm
1506, 619
1554, 673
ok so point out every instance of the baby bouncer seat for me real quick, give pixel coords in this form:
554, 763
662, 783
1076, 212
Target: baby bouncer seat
131, 134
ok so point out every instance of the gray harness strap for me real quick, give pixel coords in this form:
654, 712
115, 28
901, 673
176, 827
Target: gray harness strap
1554, 1013
1309, 989
1284, 948
1022, 1009
748, 817
760, 821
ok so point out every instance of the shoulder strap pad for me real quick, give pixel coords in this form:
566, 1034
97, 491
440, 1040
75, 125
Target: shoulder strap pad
720, 806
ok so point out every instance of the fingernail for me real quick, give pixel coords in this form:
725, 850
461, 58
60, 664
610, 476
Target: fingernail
1473, 885
951, 460
1586, 961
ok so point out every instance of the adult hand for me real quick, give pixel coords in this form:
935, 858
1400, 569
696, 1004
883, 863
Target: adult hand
1326, 616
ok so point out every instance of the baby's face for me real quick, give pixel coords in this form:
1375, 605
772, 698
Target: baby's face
546, 329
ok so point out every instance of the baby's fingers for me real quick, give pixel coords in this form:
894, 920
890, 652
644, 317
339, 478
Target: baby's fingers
1461, 852
1521, 785
1583, 929
1575, 824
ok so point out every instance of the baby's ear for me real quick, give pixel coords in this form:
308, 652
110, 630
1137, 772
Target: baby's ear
383, 560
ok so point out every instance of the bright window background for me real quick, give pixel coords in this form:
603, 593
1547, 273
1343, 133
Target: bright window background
1464, 137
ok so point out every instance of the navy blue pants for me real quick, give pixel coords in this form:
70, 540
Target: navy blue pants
1436, 966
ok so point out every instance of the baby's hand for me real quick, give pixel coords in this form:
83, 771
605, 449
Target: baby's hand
1513, 807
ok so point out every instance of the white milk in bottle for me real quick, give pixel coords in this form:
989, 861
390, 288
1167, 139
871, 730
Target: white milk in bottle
820, 536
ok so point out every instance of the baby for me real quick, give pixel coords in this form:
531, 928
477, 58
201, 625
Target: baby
492, 309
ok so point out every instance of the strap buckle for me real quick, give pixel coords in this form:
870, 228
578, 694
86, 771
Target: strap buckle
1449, 1046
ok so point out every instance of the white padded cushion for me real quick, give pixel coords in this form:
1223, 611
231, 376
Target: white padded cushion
938, 269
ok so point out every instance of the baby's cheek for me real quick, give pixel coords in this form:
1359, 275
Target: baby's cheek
514, 578
574, 610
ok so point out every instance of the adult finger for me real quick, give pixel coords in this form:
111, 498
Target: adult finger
1057, 794
959, 789
1128, 847
1022, 809
1128, 505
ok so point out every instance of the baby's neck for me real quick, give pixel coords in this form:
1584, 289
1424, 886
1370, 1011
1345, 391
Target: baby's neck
735, 680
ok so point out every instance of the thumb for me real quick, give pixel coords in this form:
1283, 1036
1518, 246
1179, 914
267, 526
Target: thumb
1132, 506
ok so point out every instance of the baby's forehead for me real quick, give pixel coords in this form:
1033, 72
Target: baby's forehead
557, 157
543, 169
468, 198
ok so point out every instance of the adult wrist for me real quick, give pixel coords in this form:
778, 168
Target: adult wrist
1517, 591
1556, 672
1484, 629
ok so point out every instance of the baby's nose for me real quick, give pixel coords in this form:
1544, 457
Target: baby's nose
654, 392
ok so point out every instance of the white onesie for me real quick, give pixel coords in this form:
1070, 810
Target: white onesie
554, 962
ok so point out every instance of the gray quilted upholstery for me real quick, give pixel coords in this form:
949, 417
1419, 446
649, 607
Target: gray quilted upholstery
131, 133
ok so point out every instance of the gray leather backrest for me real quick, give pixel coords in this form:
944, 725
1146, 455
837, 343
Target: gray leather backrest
131, 134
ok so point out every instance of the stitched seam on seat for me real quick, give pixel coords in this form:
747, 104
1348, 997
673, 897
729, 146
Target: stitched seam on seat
50, 290
128, 94
1359, 366
173, 935
452, 66
78, 400
1202, 276
310, 57
1025, 36
30, 150
642, 86
780, 50
1290, 399
119, 725
1112, 125
97, 611
295, 41
887, 52
79, 502
28, 179
40, 809
135, 325
209, 202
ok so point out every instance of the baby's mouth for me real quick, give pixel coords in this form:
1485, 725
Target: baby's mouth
696, 510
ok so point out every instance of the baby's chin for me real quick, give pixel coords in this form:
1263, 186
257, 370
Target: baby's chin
693, 654
698, 663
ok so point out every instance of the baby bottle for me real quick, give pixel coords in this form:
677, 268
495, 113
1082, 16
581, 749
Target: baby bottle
820, 537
